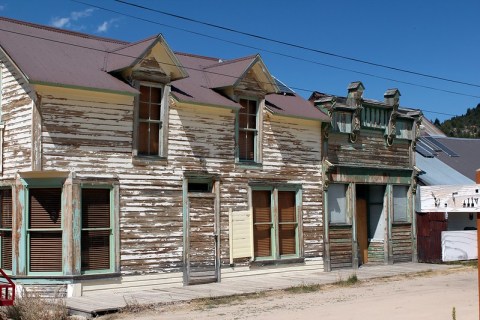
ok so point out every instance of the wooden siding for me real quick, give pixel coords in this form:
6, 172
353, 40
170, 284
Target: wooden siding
94, 138
341, 254
17, 106
376, 252
370, 149
402, 242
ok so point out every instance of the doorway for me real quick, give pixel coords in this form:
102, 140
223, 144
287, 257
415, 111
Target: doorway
370, 223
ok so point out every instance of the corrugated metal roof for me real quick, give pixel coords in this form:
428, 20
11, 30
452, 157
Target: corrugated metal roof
468, 151
293, 105
436, 172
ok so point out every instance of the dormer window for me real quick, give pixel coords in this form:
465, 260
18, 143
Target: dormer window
150, 121
248, 130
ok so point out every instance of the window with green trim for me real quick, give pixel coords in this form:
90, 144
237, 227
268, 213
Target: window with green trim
275, 224
97, 231
6, 211
247, 137
44, 230
337, 203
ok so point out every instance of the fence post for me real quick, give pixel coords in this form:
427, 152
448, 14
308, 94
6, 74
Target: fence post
477, 180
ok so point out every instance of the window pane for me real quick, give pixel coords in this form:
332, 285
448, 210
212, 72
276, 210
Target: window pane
6, 208
143, 138
95, 208
95, 250
144, 94
252, 121
242, 120
6, 238
155, 112
154, 137
400, 200
156, 95
45, 251
262, 241
287, 239
143, 112
261, 202
286, 206
45, 208
246, 145
337, 203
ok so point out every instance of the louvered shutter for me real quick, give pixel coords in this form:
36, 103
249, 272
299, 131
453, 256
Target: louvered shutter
287, 222
96, 229
262, 223
6, 226
46, 243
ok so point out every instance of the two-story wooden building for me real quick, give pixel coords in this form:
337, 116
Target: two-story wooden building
369, 178
125, 164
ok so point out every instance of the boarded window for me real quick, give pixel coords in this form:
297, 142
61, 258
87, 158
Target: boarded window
96, 229
45, 230
149, 120
262, 223
6, 228
337, 203
400, 201
287, 216
247, 130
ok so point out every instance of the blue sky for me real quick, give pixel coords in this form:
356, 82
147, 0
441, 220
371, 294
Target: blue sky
438, 38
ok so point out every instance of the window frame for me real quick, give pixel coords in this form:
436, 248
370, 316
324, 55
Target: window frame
163, 121
111, 228
257, 143
404, 218
275, 222
347, 219
29, 230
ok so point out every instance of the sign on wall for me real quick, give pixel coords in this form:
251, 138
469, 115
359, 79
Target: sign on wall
448, 198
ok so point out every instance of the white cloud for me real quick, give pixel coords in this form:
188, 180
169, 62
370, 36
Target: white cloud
66, 22
103, 27
106, 25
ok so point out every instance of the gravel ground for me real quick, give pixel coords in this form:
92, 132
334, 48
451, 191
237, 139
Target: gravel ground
430, 295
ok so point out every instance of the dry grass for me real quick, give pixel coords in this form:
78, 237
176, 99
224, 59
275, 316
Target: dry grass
32, 306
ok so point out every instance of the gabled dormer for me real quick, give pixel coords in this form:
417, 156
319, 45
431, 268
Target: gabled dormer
246, 81
149, 66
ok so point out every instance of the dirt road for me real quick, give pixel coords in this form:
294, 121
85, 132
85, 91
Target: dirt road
425, 296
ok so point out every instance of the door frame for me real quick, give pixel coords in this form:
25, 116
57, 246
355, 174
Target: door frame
215, 193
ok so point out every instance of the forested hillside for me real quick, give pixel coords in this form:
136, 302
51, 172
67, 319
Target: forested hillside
464, 126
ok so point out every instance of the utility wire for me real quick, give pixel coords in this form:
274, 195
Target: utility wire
166, 63
298, 46
280, 54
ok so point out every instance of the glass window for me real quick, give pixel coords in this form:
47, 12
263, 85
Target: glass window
45, 230
149, 121
337, 203
275, 233
247, 130
96, 229
400, 203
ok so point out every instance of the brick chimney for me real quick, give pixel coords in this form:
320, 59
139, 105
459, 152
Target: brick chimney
392, 97
355, 93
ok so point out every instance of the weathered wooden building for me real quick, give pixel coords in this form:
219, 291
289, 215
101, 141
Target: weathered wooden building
369, 178
126, 164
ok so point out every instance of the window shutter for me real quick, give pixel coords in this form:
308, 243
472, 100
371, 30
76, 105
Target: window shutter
287, 222
6, 223
45, 246
262, 220
95, 229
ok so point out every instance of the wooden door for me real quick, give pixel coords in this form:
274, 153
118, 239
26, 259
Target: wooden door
362, 230
429, 236
202, 265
